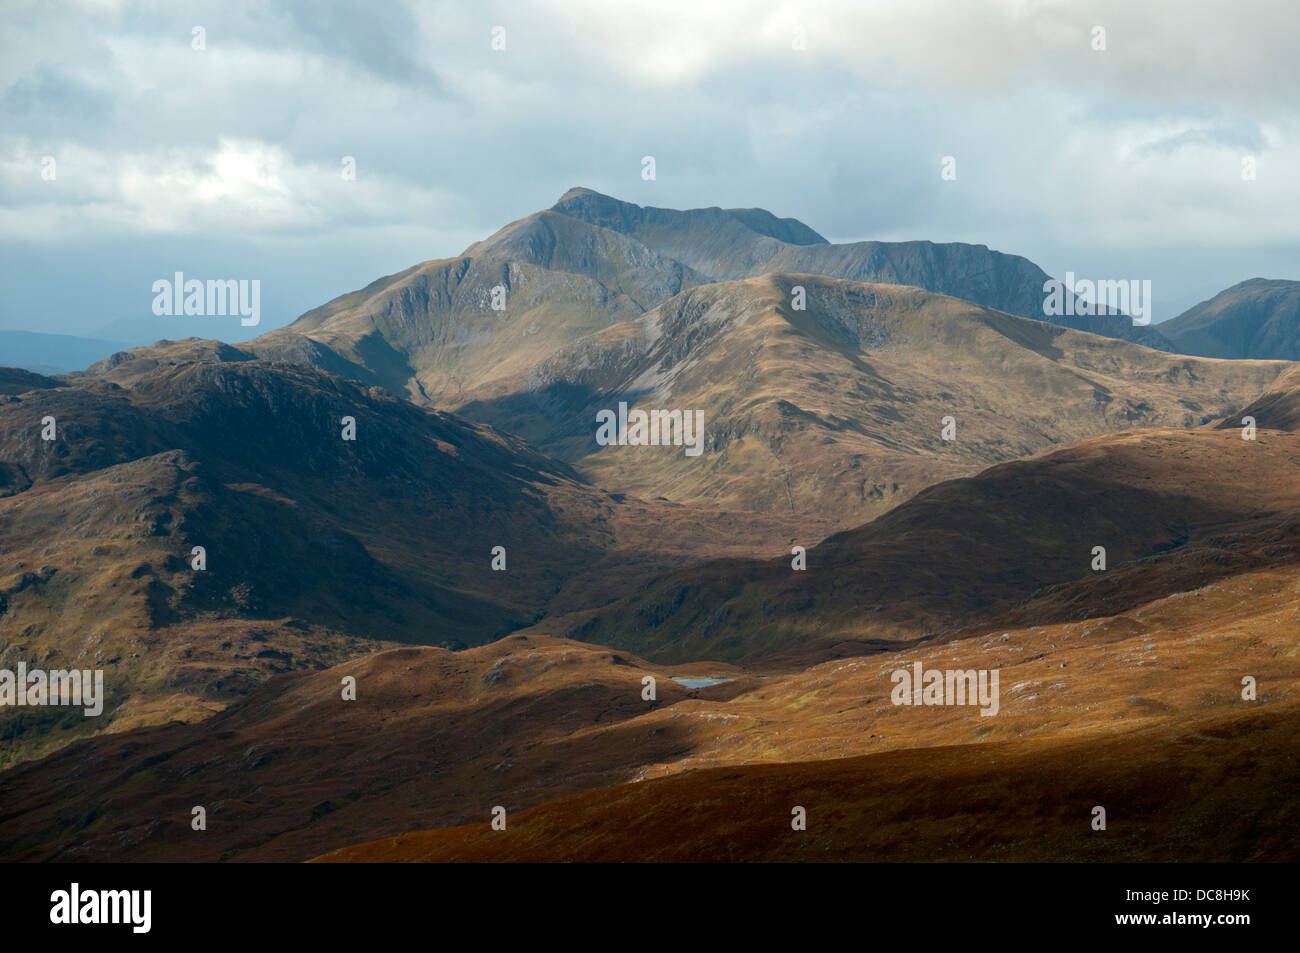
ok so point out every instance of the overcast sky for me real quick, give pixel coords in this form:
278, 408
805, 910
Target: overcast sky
225, 162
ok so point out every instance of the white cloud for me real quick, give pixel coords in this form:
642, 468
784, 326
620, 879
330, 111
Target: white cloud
236, 187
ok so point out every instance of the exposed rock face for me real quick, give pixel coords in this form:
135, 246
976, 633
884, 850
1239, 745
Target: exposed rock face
742, 243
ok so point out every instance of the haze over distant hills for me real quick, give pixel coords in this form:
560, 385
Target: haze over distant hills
53, 353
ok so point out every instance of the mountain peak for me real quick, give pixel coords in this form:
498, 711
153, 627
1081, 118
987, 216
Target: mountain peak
606, 211
576, 192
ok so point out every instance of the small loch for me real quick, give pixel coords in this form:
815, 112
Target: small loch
700, 682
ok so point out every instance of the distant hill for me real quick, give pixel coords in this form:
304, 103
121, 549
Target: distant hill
1259, 318
52, 353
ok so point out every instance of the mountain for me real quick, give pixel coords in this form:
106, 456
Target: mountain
317, 547
830, 405
592, 261
838, 406
1259, 318
834, 409
823, 398
751, 242
432, 330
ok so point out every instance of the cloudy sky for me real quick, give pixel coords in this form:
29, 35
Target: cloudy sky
226, 161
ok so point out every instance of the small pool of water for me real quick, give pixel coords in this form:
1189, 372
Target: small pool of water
700, 682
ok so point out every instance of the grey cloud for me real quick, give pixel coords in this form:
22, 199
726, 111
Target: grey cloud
1063, 154
50, 93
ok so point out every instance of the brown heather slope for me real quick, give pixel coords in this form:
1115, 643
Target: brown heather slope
962, 551
1139, 711
437, 739
838, 408
1137, 706
433, 737
1278, 408
1221, 789
317, 548
95, 575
